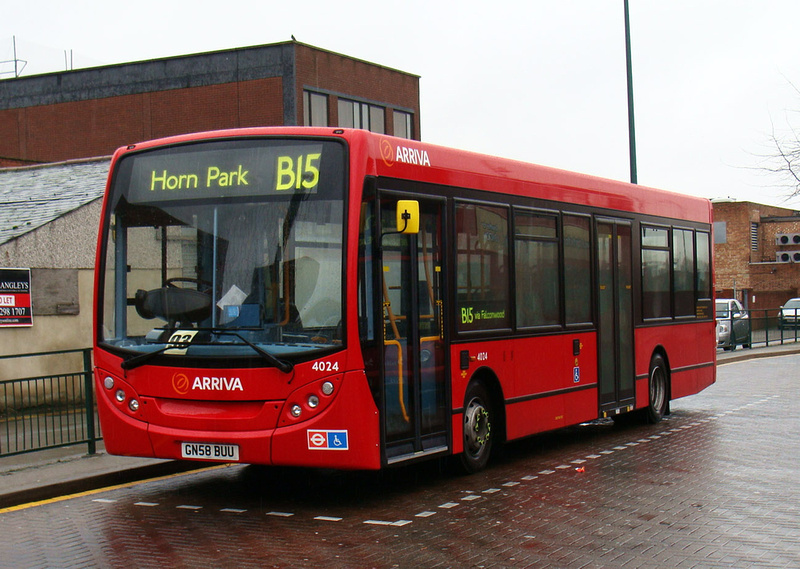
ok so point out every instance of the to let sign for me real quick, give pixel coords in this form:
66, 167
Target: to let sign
15, 298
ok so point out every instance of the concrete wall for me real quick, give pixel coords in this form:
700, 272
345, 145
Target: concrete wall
63, 248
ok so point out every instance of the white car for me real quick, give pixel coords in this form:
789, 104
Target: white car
789, 316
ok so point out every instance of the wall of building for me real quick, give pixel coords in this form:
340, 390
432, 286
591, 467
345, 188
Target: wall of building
745, 263
97, 127
91, 112
337, 75
61, 256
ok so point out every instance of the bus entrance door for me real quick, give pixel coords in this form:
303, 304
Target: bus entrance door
615, 312
414, 421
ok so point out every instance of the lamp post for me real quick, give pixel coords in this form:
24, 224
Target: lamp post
631, 130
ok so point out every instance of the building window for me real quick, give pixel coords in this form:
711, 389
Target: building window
315, 109
720, 232
402, 124
353, 114
753, 236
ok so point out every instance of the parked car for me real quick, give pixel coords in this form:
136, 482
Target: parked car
789, 316
733, 324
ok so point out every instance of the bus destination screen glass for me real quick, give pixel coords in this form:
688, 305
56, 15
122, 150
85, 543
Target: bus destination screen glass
225, 248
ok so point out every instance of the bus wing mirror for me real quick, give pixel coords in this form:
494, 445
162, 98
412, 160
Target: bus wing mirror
407, 216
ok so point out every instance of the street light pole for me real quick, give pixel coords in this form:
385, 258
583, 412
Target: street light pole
631, 130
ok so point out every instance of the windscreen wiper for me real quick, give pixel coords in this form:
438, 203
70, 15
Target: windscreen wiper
282, 365
136, 361
142, 359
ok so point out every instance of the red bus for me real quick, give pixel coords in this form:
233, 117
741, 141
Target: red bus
342, 299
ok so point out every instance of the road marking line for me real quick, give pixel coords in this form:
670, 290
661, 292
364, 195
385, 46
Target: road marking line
105, 489
328, 519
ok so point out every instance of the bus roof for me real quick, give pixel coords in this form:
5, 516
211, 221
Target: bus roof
407, 159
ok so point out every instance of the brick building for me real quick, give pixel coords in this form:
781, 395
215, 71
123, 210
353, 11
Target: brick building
90, 112
756, 253
49, 213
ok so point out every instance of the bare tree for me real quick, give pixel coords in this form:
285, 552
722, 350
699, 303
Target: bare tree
783, 157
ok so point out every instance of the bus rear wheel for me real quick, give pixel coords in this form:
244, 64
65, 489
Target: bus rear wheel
658, 388
478, 417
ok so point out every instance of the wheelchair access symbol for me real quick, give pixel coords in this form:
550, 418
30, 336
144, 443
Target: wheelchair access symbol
327, 440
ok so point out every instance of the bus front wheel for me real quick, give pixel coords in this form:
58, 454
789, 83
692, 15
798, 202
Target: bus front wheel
658, 390
478, 437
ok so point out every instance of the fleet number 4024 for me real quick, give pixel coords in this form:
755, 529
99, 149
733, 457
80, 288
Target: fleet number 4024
325, 366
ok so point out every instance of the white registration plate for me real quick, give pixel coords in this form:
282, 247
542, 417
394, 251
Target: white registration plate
210, 451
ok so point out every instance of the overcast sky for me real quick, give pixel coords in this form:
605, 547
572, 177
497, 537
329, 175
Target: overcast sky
536, 80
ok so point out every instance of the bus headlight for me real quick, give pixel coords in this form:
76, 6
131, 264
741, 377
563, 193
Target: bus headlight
296, 410
108, 382
327, 388
313, 401
133, 405
120, 395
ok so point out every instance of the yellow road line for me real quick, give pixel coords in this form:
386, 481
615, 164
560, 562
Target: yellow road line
105, 489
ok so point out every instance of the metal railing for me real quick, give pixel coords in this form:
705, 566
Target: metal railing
48, 411
766, 327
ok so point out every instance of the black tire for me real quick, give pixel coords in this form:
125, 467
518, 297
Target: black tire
658, 390
477, 428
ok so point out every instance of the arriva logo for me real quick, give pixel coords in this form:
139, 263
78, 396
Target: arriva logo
403, 154
217, 384
181, 383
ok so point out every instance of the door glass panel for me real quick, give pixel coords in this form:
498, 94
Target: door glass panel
399, 420
414, 372
431, 324
615, 294
605, 303
625, 320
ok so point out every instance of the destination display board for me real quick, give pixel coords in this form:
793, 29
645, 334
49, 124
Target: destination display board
235, 169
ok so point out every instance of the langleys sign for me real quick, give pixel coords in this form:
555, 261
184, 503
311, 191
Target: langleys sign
15, 298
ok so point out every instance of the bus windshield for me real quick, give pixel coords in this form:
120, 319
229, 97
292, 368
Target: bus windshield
225, 248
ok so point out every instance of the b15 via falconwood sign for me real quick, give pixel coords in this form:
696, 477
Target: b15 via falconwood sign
15, 298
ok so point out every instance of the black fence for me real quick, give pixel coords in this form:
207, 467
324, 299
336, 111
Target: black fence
50, 411
763, 327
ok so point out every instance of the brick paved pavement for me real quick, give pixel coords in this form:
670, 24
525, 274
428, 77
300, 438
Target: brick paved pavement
714, 485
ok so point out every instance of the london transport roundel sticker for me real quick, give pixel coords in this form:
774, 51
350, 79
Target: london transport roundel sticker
327, 440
